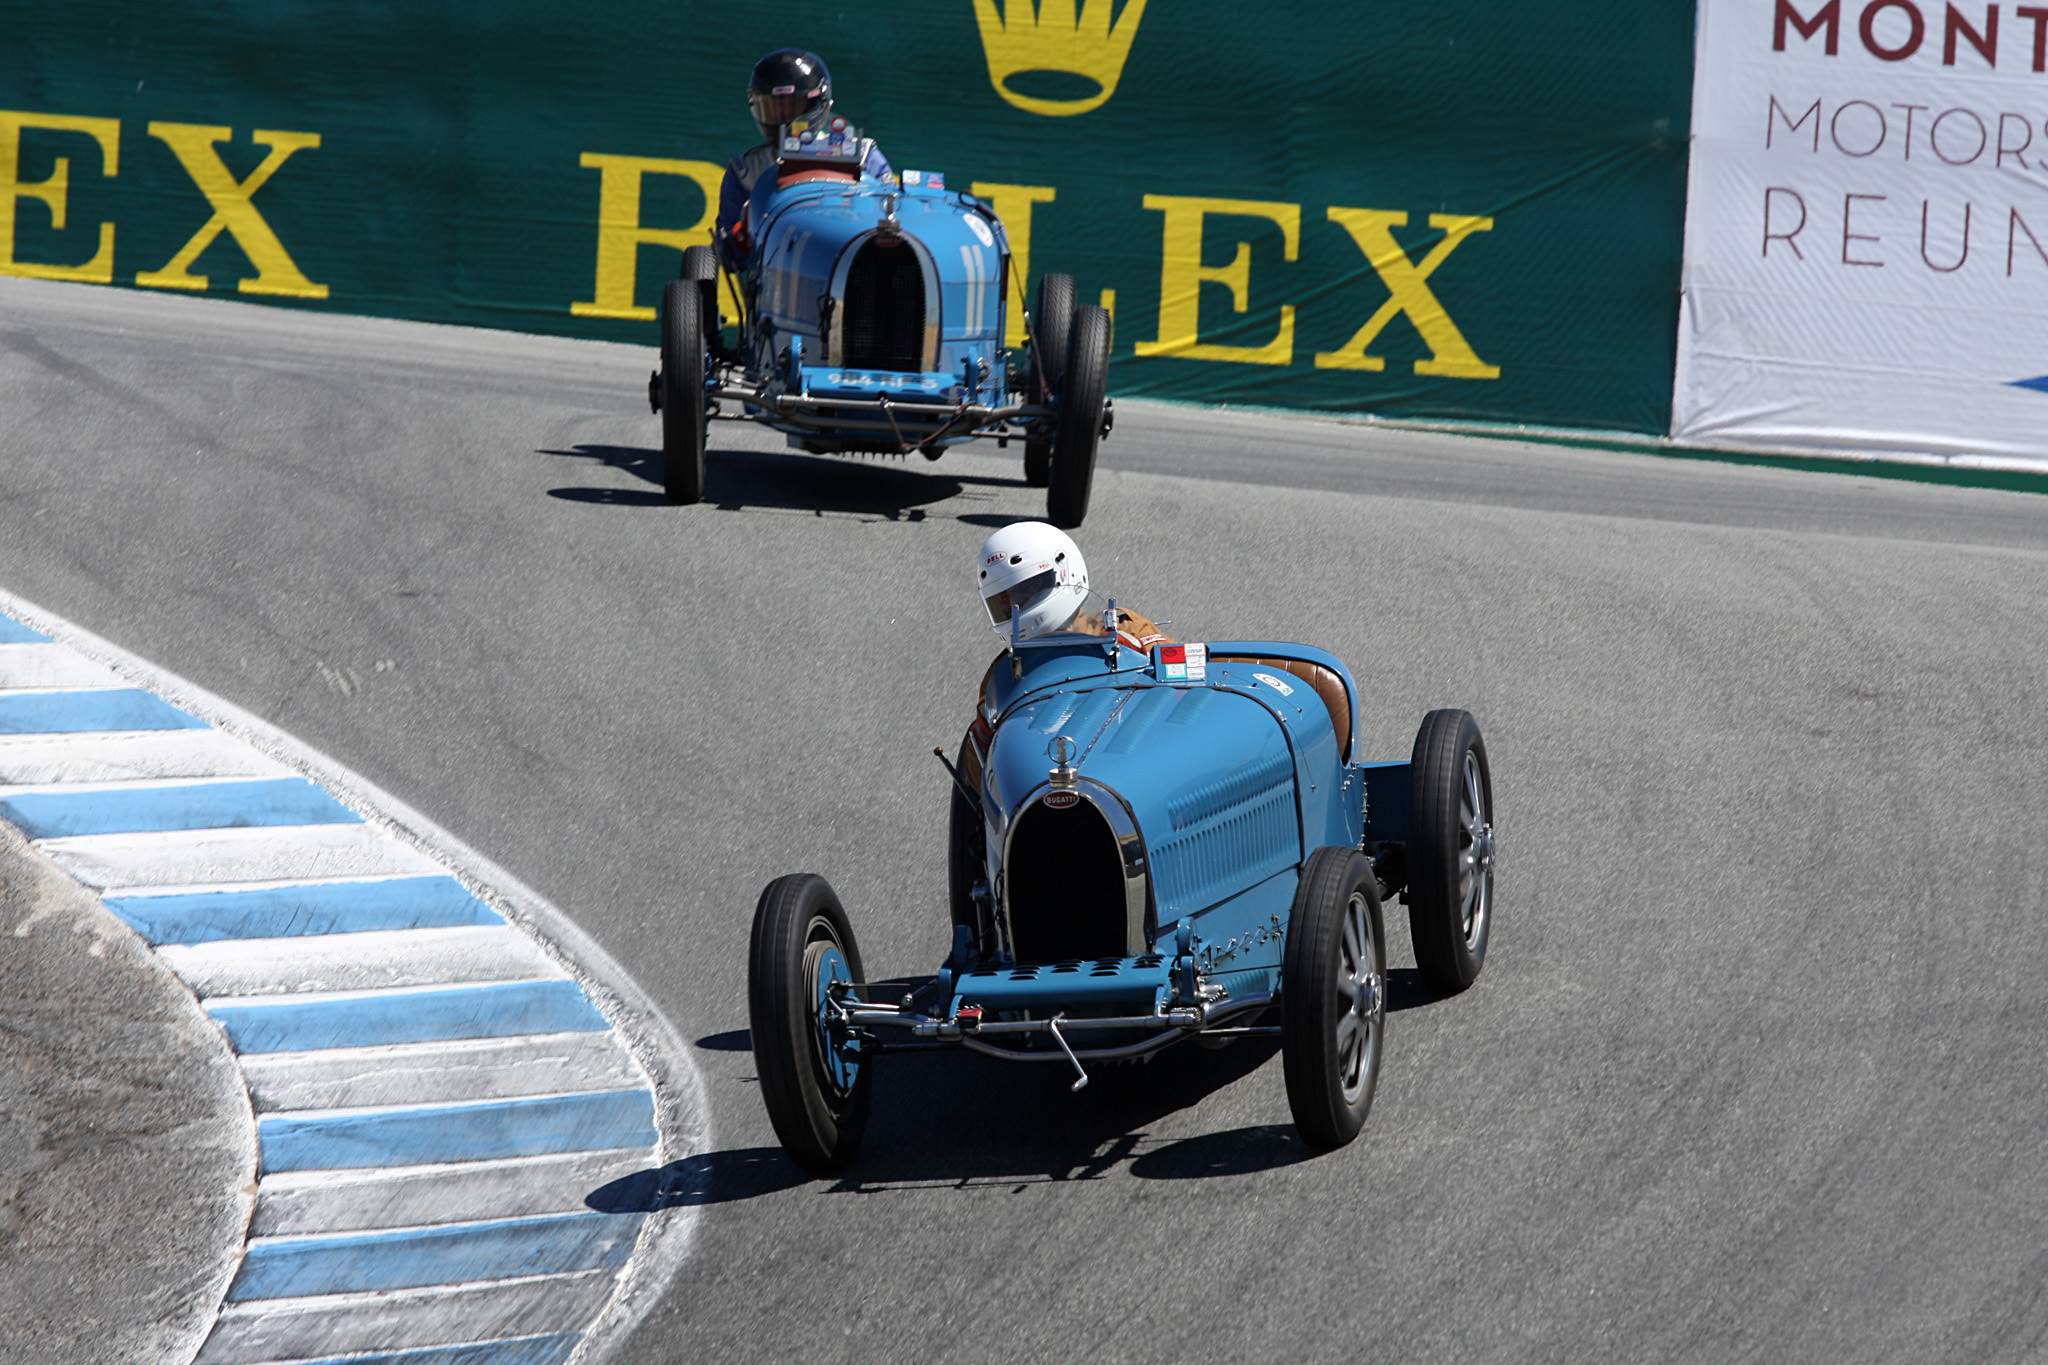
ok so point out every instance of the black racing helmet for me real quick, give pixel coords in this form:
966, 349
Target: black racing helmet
788, 84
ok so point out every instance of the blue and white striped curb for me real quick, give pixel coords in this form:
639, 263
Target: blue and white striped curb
441, 1067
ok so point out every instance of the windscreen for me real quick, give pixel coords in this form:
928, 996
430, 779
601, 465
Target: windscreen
1086, 620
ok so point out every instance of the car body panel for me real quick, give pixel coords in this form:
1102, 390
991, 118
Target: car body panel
1230, 782
807, 238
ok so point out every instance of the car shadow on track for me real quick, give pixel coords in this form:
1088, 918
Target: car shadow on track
1406, 990
948, 1120
942, 1120
752, 480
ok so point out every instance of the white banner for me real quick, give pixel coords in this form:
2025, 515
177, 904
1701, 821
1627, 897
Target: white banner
1866, 236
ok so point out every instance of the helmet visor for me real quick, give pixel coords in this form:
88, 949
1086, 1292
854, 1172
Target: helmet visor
782, 104
1022, 595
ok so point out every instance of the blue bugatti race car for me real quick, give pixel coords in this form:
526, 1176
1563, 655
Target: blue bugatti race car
871, 318
1148, 847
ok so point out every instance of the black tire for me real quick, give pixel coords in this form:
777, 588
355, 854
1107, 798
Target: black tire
816, 1092
683, 421
1038, 463
1052, 322
1333, 997
1450, 850
966, 857
700, 263
1083, 390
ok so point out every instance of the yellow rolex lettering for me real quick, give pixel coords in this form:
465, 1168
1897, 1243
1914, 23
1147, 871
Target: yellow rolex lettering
620, 234
53, 192
1450, 354
1012, 204
276, 273
1181, 275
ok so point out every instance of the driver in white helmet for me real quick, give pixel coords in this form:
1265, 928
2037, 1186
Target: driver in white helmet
1034, 573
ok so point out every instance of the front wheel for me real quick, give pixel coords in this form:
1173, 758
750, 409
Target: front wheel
1083, 391
683, 418
966, 850
815, 1074
1450, 850
1333, 997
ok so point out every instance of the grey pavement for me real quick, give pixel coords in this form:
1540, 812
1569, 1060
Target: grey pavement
1755, 1068
126, 1148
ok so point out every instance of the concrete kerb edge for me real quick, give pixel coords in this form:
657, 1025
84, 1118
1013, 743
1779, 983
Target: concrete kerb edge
681, 1102
15, 844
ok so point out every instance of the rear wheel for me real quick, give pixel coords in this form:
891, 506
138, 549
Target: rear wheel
815, 1076
1038, 463
1083, 390
1450, 850
1333, 999
1051, 323
700, 263
683, 419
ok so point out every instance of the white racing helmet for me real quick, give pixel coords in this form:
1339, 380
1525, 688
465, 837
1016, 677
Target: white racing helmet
1036, 568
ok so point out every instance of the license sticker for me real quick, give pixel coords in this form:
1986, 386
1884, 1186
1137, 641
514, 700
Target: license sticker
913, 177
1183, 663
934, 180
790, 144
1269, 680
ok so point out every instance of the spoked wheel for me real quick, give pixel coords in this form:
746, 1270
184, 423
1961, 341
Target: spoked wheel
1450, 850
683, 419
1083, 390
815, 1076
1051, 323
1333, 999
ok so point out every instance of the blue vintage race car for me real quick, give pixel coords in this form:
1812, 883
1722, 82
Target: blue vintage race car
1149, 848
871, 318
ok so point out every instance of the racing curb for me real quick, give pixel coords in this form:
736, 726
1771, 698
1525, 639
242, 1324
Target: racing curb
681, 1109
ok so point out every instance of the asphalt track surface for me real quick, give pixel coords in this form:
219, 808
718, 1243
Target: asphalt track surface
1755, 1067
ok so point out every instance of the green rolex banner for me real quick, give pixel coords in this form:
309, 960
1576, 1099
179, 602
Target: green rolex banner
1458, 209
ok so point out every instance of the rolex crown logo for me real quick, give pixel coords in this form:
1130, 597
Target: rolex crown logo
1053, 42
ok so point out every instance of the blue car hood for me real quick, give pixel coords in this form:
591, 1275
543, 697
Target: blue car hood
1207, 774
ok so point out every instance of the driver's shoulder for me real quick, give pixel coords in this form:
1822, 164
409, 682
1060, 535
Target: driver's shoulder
749, 164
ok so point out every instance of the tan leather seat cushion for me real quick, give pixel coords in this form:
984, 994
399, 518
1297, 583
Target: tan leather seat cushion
1326, 683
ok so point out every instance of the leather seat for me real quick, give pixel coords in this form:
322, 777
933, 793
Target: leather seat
1325, 681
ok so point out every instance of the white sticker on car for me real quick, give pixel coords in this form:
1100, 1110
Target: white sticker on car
1269, 680
979, 228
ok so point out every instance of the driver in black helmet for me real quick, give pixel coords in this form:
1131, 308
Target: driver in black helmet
787, 84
